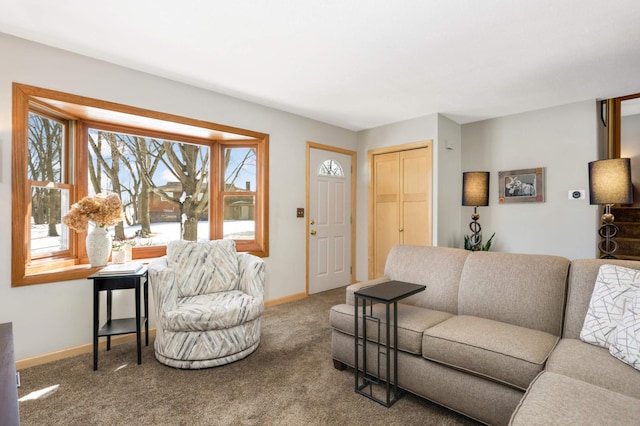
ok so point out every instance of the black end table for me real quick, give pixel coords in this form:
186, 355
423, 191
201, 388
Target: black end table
389, 292
113, 327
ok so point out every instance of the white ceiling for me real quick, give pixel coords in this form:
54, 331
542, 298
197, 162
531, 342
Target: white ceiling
359, 64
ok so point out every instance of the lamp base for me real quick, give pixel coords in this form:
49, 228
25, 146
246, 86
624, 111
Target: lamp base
607, 245
475, 239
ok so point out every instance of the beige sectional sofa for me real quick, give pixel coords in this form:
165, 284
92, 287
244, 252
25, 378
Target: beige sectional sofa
495, 336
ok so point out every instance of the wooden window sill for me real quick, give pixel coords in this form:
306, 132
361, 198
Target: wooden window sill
67, 273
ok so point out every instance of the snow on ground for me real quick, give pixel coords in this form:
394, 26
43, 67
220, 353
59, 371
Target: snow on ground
162, 233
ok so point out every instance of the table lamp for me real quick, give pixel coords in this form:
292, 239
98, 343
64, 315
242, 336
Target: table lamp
609, 184
475, 192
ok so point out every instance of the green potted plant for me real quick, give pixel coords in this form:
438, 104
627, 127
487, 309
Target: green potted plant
485, 247
118, 254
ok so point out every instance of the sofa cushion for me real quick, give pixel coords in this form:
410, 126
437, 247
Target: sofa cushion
626, 341
412, 321
521, 289
206, 266
439, 268
554, 399
582, 280
213, 311
614, 288
504, 352
593, 364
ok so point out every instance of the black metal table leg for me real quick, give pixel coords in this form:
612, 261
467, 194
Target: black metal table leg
138, 325
109, 305
387, 293
146, 312
96, 323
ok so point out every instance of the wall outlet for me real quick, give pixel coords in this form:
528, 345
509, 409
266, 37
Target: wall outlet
299, 212
577, 194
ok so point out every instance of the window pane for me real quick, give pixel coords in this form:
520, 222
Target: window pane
46, 138
163, 185
48, 235
239, 222
240, 169
331, 168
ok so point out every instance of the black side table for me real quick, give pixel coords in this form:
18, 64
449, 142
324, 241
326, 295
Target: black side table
114, 327
388, 293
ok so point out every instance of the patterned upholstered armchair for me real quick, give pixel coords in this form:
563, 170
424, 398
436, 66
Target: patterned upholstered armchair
209, 301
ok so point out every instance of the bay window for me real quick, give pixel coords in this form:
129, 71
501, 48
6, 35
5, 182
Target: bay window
178, 178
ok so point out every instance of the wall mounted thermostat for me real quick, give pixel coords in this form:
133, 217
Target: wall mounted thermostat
576, 194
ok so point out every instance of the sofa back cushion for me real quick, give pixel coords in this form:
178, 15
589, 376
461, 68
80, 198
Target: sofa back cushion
204, 267
526, 290
582, 280
438, 268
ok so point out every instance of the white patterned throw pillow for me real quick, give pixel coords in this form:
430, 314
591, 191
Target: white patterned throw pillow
626, 340
204, 267
615, 287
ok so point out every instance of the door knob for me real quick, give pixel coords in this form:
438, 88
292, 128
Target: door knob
401, 229
313, 222
313, 232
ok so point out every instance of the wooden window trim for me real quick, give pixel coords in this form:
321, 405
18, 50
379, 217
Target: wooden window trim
82, 109
260, 243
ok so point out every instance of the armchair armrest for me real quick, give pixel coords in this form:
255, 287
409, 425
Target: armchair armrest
164, 285
251, 275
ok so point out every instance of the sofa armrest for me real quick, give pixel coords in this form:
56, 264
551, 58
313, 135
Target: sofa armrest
358, 286
252, 274
164, 285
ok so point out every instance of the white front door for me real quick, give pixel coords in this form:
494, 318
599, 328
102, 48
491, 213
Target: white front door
329, 220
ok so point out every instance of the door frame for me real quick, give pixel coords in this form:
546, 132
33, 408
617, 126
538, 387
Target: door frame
371, 229
353, 206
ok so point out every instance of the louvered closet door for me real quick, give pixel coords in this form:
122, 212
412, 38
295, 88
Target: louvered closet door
401, 188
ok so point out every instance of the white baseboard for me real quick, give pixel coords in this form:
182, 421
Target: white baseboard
78, 350
115, 340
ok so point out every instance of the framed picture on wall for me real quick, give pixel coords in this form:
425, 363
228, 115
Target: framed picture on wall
521, 186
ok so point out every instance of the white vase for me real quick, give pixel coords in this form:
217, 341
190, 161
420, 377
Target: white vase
98, 245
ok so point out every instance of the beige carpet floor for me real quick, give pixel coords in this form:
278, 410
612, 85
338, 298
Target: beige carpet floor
288, 380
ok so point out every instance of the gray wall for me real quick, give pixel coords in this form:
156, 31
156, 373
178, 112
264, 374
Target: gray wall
561, 139
56, 316
51, 317
449, 183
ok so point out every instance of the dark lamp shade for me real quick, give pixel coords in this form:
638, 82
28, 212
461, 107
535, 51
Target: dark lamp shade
475, 189
610, 181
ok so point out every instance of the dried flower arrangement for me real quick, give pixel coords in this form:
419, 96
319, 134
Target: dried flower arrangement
102, 210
